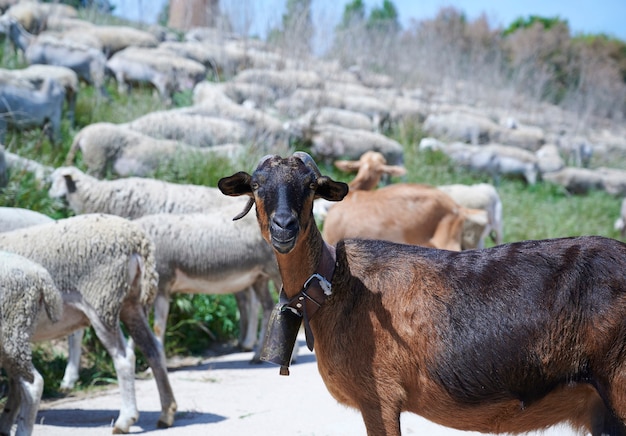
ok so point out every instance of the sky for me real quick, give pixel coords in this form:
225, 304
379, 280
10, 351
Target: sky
257, 16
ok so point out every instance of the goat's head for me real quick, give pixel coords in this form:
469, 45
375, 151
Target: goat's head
283, 190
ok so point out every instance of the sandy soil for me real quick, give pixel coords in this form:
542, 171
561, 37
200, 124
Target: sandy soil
226, 395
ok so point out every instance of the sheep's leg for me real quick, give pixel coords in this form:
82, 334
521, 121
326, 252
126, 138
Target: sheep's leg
248, 306
74, 343
12, 406
134, 318
262, 291
123, 357
31, 396
161, 311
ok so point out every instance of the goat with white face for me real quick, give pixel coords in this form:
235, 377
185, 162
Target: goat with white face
509, 339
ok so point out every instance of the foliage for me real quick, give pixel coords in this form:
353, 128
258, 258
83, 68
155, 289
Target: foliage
530, 21
384, 18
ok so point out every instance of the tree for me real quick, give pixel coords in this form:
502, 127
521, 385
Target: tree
353, 14
297, 29
384, 18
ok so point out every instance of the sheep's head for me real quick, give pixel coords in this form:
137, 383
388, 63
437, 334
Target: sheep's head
283, 190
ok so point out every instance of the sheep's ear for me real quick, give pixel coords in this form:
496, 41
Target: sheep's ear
69, 182
330, 190
236, 185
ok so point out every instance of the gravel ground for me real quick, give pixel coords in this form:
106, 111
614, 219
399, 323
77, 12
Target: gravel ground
226, 395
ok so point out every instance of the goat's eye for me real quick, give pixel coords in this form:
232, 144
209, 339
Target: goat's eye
313, 185
254, 186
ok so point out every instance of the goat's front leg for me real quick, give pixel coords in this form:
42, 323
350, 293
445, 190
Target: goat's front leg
380, 419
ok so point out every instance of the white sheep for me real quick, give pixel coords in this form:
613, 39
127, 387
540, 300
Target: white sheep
576, 180
65, 76
27, 295
192, 129
33, 15
24, 105
165, 70
104, 267
12, 218
131, 197
130, 153
16, 163
50, 48
208, 253
332, 142
483, 196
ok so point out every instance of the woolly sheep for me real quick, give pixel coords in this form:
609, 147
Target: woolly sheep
17, 163
283, 82
12, 218
483, 196
65, 76
131, 197
114, 38
460, 126
32, 15
192, 129
576, 180
209, 253
549, 159
307, 124
129, 153
261, 127
27, 294
24, 105
334, 142
52, 49
106, 274
166, 71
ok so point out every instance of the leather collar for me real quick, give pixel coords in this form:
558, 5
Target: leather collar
314, 292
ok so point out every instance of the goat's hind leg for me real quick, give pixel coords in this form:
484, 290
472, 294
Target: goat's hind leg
134, 318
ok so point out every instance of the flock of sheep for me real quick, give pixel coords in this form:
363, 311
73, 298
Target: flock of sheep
136, 240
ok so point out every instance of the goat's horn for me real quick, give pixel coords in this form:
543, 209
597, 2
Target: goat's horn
245, 210
308, 161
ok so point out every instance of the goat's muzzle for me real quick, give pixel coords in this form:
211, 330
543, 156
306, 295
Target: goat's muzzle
283, 231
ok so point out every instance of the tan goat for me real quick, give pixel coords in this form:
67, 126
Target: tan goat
509, 339
404, 213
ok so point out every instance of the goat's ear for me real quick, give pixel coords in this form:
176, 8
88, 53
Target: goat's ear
330, 190
348, 166
236, 185
394, 170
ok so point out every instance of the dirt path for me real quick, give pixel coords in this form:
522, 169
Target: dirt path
227, 396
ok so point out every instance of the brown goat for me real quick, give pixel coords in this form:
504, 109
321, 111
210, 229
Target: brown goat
407, 213
513, 338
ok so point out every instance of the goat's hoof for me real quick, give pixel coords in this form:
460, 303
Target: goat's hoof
166, 419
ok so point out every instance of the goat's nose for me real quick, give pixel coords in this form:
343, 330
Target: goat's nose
284, 220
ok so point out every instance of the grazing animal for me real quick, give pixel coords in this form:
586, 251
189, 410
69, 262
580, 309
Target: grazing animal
510, 339
407, 213
27, 294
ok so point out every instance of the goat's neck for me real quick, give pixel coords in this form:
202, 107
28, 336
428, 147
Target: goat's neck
363, 182
310, 255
